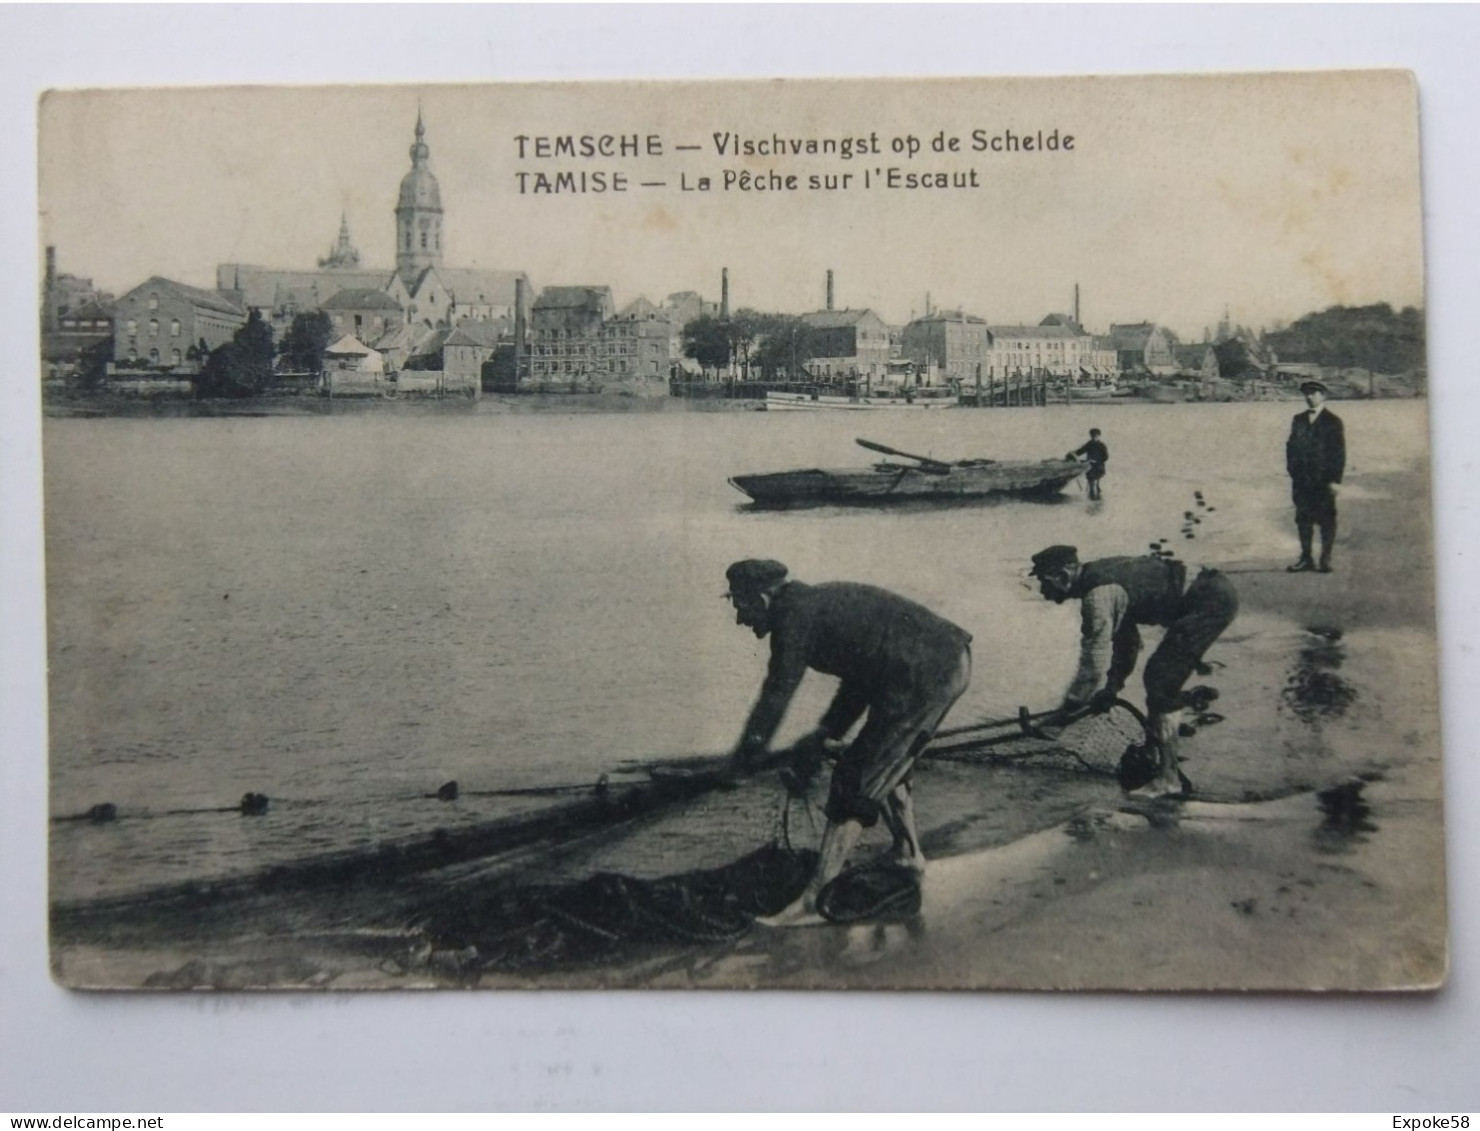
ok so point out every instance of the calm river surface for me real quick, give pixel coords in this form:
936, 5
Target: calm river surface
343, 612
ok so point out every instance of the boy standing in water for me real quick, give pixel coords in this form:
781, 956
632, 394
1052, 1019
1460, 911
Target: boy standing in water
1097, 454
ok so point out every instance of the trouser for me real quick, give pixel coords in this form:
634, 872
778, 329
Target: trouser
874, 771
1315, 509
1207, 608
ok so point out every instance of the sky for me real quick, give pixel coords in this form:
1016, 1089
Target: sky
1265, 196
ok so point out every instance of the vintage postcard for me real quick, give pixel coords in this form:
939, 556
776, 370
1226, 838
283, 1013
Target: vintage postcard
952, 534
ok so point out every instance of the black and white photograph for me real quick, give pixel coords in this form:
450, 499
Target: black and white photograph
951, 534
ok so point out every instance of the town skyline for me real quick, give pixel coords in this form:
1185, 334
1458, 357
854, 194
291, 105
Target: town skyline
249, 178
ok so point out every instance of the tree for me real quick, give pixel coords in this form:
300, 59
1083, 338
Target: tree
744, 327
1235, 362
498, 373
707, 340
241, 367
305, 341
92, 363
785, 346
1346, 337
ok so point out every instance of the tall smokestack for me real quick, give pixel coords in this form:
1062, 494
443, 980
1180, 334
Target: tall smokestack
519, 329
928, 310
1076, 304
48, 306
724, 293
829, 289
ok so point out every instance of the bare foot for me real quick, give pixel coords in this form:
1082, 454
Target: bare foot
802, 913
1164, 786
910, 862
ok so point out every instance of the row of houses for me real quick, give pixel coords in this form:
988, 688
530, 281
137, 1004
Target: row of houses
425, 316
576, 335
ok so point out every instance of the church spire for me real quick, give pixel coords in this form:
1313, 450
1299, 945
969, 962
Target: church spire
418, 214
343, 253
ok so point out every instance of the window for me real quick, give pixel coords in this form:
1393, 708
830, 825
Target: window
174, 357
154, 357
153, 301
133, 327
154, 327
423, 241
174, 327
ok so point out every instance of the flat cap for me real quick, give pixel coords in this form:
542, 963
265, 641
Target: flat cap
755, 575
1318, 386
1055, 557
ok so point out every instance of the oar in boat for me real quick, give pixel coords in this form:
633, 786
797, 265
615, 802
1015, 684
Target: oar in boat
929, 465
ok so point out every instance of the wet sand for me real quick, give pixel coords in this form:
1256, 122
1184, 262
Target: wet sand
1037, 880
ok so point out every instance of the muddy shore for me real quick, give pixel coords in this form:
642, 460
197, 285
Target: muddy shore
1268, 880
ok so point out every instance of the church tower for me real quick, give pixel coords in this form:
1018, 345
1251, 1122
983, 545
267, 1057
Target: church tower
418, 215
343, 254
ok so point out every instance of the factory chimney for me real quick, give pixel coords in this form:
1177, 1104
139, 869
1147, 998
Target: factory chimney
520, 299
829, 288
1076, 304
724, 294
48, 305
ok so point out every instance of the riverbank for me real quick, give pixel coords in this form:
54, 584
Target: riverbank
102, 405
1324, 680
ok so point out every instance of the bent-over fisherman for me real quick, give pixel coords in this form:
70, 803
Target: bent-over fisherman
898, 661
1117, 595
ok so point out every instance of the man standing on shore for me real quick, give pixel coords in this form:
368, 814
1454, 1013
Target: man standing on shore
1097, 455
896, 660
1116, 595
1315, 457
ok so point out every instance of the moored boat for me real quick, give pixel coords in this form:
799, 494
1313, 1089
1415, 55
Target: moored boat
813, 402
926, 479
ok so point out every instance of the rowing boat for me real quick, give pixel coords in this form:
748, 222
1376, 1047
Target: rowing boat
926, 479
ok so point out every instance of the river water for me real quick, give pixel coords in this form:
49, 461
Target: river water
345, 611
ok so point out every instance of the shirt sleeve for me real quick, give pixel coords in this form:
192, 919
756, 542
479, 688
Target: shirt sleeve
847, 705
788, 665
1101, 611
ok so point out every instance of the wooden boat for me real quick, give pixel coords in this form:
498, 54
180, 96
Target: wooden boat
814, 402
926, 479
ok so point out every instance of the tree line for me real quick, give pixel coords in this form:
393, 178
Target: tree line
1355, 337
768, 344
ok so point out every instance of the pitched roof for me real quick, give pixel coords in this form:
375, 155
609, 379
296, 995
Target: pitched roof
1131, 336
360, 298
579, 298
349, 344
836, 319
91, 310
1044, 332
272, 287
641, 310
211, 300
1061, 320
949, 316
476, 333
473, 287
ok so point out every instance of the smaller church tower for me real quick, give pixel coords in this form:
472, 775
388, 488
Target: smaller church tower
343, 254
418, 215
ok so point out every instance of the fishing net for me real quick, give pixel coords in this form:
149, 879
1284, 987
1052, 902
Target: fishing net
533, 928
879, 891
1097, 742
